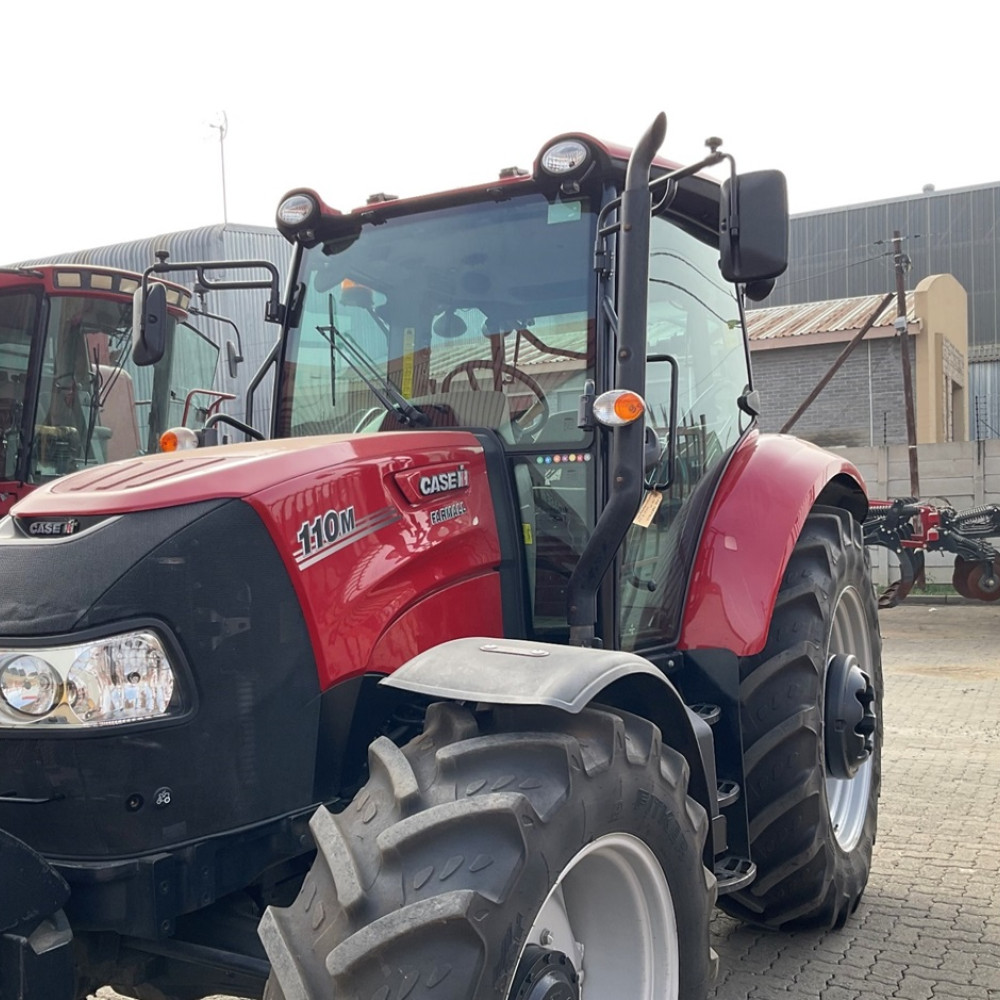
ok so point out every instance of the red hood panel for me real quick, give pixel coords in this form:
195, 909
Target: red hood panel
389, 539
236, 470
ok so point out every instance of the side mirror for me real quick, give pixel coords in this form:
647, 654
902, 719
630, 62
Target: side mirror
233, 359
753, 226
149, 324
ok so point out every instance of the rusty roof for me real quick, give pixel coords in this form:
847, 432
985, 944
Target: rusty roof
808, 319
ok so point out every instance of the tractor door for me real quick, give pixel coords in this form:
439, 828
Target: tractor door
19, 312
697, 365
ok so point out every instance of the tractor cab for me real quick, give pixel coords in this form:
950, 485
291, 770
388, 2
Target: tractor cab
496, 307
71, 394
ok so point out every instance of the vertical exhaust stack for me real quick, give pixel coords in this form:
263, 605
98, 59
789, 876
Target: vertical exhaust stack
627, 456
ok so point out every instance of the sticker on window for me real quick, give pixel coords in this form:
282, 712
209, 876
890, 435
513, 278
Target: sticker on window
564, 211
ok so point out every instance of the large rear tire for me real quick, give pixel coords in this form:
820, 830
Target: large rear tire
505, 855
812, 823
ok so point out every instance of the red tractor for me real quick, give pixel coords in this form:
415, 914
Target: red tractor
511, 648
71, 395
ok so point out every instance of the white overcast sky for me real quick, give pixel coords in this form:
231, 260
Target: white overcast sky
108, 105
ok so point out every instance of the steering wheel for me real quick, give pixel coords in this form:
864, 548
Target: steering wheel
540, 408
69, 381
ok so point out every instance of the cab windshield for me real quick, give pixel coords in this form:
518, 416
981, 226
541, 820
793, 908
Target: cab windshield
91, 404
473, 315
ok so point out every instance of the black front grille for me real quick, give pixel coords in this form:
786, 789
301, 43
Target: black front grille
211, 575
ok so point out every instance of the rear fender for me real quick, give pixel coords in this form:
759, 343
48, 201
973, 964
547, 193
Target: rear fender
763, 499
519, 672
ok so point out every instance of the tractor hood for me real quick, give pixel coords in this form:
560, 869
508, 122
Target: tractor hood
154, 482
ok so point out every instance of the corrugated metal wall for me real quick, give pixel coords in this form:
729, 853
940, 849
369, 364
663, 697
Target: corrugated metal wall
984, 400
245, 308
845, 252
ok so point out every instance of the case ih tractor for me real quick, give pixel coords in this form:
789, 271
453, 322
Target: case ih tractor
71, 395
512, 648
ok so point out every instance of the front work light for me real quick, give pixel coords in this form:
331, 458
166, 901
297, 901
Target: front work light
297, 210
565, 157
618, 407
101, 682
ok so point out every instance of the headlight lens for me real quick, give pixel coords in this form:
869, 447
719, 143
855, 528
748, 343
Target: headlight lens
107, 681
29, 684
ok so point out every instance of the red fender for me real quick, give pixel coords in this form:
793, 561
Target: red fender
765, 495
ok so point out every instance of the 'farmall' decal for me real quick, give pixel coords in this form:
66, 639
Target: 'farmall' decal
327, 533
448, 513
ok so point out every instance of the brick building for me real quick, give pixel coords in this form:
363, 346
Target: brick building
793, 346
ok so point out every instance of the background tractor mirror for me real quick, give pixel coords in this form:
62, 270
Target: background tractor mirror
753, 224
233, 359
149, 324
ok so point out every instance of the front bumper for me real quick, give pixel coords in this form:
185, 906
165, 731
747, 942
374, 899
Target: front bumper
36, 943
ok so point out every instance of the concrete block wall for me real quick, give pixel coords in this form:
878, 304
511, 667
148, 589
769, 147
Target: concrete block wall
861, 405
958, 474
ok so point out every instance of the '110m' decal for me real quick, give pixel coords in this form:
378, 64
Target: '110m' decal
327, 533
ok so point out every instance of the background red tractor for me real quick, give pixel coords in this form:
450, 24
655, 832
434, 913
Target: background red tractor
71, 395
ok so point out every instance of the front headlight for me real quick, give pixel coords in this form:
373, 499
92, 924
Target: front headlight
106, 681
29, 685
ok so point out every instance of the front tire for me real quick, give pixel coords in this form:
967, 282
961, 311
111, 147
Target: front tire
812, 827
505, 854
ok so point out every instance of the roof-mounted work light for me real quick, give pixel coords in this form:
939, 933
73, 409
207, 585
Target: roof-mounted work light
565, 158
298, 215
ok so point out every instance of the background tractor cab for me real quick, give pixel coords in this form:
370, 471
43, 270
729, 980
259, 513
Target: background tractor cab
71, 393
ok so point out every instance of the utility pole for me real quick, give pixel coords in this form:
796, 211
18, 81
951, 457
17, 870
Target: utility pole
901, 261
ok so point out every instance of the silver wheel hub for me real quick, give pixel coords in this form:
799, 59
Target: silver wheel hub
849, 720
610, 915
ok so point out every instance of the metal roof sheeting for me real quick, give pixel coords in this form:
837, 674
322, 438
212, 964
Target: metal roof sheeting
812, 318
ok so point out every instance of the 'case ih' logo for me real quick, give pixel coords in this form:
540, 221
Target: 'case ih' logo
49, 529
444, 482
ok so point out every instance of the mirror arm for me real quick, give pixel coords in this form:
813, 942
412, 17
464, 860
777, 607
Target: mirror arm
273, 311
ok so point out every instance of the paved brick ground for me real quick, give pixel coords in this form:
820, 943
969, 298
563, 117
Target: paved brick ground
928, 927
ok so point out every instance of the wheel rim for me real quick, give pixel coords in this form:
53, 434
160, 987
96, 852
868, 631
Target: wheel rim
611, 913
847, 798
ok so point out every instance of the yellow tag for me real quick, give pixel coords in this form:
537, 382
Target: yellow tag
648, 508
526, 531
409, 336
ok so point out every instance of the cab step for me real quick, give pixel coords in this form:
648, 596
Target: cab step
732, 873
707, 712
728, 792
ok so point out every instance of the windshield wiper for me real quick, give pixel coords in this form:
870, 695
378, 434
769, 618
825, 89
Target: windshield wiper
383, 389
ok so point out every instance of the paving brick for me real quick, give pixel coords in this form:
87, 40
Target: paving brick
928, 927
